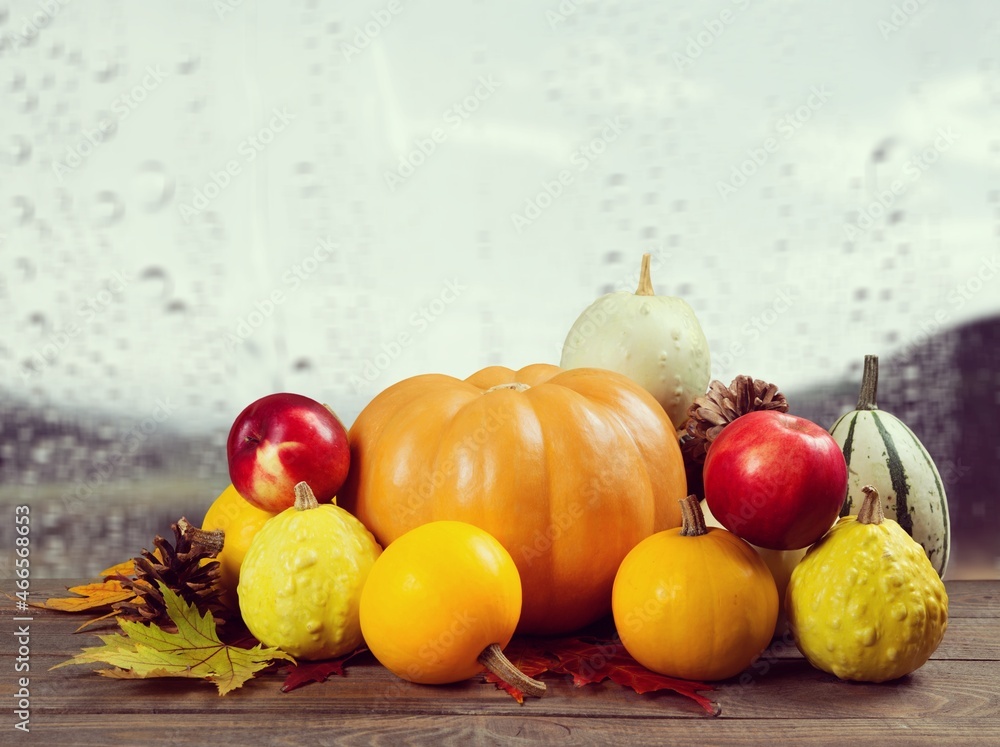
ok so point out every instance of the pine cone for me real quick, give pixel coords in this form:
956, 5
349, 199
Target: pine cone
180, 568
713, 411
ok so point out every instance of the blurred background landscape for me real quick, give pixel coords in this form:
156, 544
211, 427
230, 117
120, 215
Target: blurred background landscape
206, 202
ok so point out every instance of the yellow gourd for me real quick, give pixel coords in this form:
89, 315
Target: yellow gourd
240, 520
441, 603
865, 603
301, 581
694, 602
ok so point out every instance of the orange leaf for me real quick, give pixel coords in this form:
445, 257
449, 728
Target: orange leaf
125, 568
91, 596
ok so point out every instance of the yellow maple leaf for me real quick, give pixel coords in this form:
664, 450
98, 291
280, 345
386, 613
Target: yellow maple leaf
146, 651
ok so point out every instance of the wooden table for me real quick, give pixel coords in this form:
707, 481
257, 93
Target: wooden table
954, 698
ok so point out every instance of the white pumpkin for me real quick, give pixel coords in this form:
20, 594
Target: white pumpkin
881, 451
654, 340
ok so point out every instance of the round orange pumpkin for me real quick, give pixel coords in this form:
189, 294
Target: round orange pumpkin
696, 602
569, 470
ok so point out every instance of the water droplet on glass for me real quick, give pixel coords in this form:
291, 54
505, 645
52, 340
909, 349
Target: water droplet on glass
44, 231
188, 64
14, 80
39, 322
251, 349
105, 70
108, 208
107, 126
24, 209
20, 150
154, 187
218, 229
159, 281
27, 267
27, 101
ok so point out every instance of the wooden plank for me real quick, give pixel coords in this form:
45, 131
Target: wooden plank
973, 599
786, 689
479, 729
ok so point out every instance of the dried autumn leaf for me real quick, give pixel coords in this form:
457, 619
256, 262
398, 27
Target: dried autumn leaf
91, 596
194, 651
526, 655
317, 671
593, 661
125, 568
109, 590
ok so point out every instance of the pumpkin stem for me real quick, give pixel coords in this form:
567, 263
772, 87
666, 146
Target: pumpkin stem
493, 659
693, 518
305, 499
871, 510
210, 539
645, 282
515, 386
869, 384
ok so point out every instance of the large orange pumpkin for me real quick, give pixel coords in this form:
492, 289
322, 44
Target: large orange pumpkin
569, 470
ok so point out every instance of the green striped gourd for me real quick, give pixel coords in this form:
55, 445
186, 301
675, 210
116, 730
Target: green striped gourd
881, 451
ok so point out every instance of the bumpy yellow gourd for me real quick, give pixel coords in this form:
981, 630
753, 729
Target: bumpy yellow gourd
865, 603
301, 580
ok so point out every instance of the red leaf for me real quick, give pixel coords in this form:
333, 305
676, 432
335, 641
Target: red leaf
527, 655
317, 671
593, 661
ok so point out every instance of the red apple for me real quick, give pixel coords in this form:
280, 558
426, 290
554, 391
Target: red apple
281, 440
776, 480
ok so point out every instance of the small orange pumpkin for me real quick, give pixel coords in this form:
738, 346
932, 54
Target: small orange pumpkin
567, 469
696, 602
